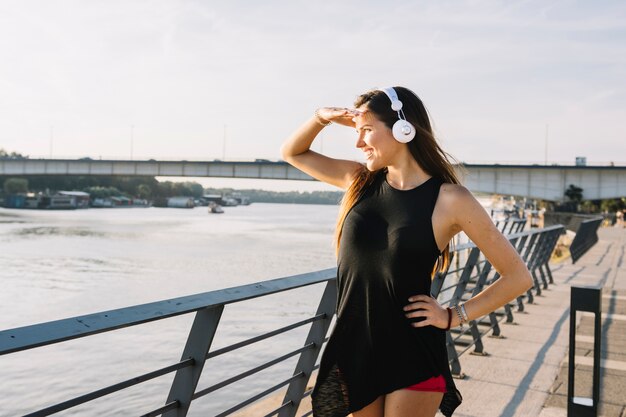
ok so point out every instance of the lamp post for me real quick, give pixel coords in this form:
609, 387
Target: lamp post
224, 145
132, 134
546, 146
51, 139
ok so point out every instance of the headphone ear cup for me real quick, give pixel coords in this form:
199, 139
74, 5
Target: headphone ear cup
403, 131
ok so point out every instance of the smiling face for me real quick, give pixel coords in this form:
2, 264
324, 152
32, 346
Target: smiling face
375, 140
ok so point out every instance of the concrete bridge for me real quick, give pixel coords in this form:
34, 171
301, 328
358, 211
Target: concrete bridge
547, 182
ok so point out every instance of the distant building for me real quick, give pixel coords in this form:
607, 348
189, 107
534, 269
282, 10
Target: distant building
60, 202
241, 199
234, 199
180, 202
102, 202
216, 198
33, 201
15, 201
81, 198
121, 201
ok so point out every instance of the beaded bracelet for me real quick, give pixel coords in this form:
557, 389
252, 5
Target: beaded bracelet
465, 317
320, 118
458, 312
449, 310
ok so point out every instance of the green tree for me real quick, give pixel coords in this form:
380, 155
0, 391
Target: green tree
102, 192
612, 205
144, 191
16, 186
13, 155
574, 193
196, 189
588, 206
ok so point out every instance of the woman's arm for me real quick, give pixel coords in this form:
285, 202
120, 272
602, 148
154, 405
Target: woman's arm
515, 279
296, 150
470, 217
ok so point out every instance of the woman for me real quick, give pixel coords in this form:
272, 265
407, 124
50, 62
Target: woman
387, 353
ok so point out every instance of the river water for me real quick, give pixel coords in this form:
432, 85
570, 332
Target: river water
58, 264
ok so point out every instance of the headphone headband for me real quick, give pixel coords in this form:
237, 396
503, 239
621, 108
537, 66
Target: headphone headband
402, 130
396, 104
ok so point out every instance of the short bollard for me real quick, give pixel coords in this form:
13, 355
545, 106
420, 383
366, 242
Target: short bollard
584, 299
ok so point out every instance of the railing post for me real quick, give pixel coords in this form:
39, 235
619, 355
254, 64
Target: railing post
586, 237
548, 247
437, 283
528, 253
519, 247
198, 344
543, 276
584, 299
496, 327
307, 359
453, 358
473, 324
464, 279
539, 244
470, 264
541, 251
435, 290
554, 239
544, 256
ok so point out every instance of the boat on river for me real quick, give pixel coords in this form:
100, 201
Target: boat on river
215, 208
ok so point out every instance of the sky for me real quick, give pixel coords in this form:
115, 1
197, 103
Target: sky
204, 80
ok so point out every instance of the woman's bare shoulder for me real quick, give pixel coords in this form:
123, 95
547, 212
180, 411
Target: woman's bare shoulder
454, 201
448, 208
454, 193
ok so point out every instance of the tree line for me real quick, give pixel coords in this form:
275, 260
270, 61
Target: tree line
149, 188
576, 203
286, 197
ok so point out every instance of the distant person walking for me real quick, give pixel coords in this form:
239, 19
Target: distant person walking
619, 215
387, 352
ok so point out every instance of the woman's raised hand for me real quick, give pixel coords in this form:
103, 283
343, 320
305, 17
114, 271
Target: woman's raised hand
339, 115
427, 307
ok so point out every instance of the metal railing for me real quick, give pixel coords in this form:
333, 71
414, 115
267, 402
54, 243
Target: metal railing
208, 308
535, 247
510, 226
586, 237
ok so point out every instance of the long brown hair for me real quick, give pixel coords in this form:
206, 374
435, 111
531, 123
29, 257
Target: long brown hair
424, 148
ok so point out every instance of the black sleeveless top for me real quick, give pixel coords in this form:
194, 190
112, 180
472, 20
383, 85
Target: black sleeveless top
386, 254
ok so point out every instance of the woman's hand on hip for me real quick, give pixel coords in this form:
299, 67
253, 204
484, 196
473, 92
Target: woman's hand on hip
427, 307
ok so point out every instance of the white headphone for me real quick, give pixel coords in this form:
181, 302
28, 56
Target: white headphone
402, 130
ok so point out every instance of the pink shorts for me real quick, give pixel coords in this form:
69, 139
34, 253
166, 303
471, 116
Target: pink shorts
434, 384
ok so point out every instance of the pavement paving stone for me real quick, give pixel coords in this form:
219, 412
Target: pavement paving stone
527, 370
553, 412
613, 339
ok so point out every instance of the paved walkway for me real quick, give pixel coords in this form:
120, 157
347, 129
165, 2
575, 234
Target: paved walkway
526, 373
